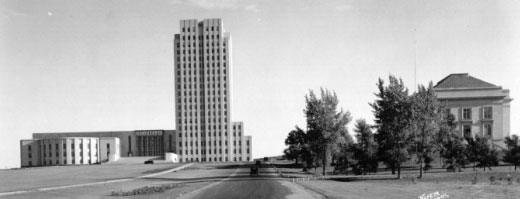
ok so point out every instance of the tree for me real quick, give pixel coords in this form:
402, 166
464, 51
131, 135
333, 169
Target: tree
326, 126
446, 132
426, 118
512, 154
481, 153
392, 113
455, 156
365, 150
451, 147
296, 139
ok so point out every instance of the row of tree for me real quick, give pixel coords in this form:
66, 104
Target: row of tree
407, 127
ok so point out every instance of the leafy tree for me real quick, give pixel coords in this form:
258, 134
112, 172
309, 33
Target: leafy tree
446, 132
342, 155
296, 140
512, 154
481, 153
365, 150
452, 147
455, 156
326, 125
393, 114
426, 118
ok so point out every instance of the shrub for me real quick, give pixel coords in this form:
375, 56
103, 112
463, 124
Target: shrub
474, 180
492, 179
145, 190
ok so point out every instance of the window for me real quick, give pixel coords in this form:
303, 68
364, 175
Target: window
488, 131
466, 129
29, 147
466, 113
488, 113
30, 155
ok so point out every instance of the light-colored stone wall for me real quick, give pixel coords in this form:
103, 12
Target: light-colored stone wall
29, 157
477, 99
127, 139
203, 67
59, 151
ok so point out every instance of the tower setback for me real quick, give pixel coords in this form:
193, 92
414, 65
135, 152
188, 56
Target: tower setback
202, 61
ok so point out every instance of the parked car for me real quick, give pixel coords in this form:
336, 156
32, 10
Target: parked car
148, 162
254, 171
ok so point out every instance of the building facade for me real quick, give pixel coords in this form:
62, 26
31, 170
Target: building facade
202, 61
59, 151
480, 108
205, 133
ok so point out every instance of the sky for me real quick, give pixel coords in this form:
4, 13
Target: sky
107, 65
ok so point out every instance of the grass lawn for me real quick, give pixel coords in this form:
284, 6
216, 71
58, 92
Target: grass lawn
385, 185
192, 178
39, 177
104, 191
405, 189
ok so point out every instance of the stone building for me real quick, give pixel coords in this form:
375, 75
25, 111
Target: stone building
205, 133
203, 66
480, 108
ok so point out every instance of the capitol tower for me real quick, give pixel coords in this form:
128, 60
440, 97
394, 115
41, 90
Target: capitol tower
203, 80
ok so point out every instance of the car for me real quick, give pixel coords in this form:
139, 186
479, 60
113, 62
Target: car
254, 171
148, 162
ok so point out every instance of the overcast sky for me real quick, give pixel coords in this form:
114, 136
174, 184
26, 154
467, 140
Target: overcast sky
70, 65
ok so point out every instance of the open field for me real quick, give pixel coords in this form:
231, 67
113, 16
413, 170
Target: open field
40, 177
385, 185
190, 179
203, 180
404, 189
104, 190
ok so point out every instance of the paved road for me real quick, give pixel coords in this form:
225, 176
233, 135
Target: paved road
241, 185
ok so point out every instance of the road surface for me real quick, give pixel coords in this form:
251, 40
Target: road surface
240, 185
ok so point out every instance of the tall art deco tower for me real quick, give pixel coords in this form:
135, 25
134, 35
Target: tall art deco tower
203, 67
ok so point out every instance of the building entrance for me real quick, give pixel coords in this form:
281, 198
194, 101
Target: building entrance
150, 143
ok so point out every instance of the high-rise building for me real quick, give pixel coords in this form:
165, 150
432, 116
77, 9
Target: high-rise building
204, 131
